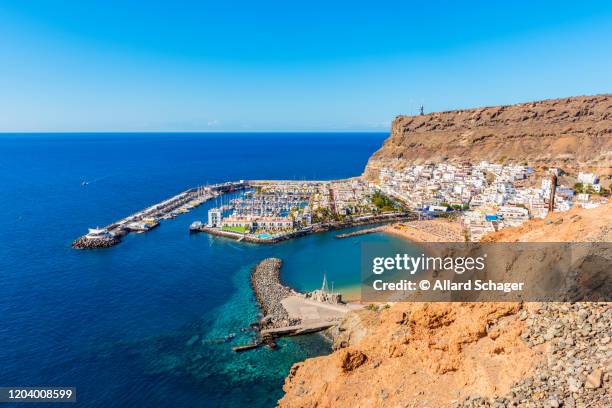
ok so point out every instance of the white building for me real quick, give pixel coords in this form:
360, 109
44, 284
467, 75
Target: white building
215, 217
588, 178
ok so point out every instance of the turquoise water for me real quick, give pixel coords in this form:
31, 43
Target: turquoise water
143, 323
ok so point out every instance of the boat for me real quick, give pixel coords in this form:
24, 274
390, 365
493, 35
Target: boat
99, 233
144, 225
195, 226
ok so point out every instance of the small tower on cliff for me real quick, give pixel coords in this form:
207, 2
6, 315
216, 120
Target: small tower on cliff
421, 111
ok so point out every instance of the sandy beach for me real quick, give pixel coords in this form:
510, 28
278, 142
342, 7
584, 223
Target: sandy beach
437, 230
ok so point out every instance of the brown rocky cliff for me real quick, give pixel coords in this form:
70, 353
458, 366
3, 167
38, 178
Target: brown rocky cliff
572, 133
417, 354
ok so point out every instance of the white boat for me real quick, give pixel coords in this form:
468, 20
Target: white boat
98, 233
144, 225
195, 226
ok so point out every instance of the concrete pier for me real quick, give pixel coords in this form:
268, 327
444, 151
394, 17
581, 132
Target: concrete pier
192, 197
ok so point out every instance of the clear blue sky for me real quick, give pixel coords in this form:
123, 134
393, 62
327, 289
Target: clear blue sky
288, 65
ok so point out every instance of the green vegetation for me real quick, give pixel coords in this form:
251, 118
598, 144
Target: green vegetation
383, 202
375, 308
588, 189
322, 215
241, 230
371, 307
460, 206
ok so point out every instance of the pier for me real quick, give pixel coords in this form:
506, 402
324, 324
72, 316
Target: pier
148, 218
360, 232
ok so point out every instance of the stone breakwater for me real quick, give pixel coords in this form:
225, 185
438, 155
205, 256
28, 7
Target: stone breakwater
269, 292
576, 370
92, 243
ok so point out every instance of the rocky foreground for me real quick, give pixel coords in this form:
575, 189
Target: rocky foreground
576, 370
270, 292
468, 355
471, 354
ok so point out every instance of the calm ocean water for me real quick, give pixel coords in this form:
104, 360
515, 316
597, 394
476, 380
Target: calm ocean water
139, 324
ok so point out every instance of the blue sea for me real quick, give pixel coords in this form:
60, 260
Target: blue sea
143, 323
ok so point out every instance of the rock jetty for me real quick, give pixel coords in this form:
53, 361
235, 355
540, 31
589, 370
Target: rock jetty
94, 243
270, 292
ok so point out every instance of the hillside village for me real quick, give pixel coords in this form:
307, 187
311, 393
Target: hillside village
489, 196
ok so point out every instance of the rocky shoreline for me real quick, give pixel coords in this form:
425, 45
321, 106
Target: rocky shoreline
265, 280
94, 243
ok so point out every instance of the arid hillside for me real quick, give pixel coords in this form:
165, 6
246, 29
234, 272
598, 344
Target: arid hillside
577, 224
471, 354
572, 133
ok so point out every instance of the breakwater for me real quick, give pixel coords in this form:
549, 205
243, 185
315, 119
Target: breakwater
265, 280
92, 243
148, 218
360, 232
287, 312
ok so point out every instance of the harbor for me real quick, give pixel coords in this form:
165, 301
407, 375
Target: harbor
273, 211
265, 211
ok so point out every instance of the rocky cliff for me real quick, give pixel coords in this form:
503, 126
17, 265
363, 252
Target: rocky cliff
572, 133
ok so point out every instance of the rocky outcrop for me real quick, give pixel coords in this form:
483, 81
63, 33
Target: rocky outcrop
572, 133
417, 354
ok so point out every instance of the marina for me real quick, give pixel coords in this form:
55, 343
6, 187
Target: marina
265, 211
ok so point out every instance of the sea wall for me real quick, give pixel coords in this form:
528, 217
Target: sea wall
265, 280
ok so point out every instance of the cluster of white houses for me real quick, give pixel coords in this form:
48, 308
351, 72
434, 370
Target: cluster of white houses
352, 197
249, 223
492, 196
252, 223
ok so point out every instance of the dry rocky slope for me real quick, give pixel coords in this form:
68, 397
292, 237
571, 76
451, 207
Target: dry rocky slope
471, 354
572, 133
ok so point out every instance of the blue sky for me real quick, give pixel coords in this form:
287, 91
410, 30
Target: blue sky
288, 65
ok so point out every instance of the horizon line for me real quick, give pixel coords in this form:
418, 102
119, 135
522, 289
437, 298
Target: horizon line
8, 132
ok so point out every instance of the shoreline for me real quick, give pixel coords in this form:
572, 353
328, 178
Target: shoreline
436, 230
363, 221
